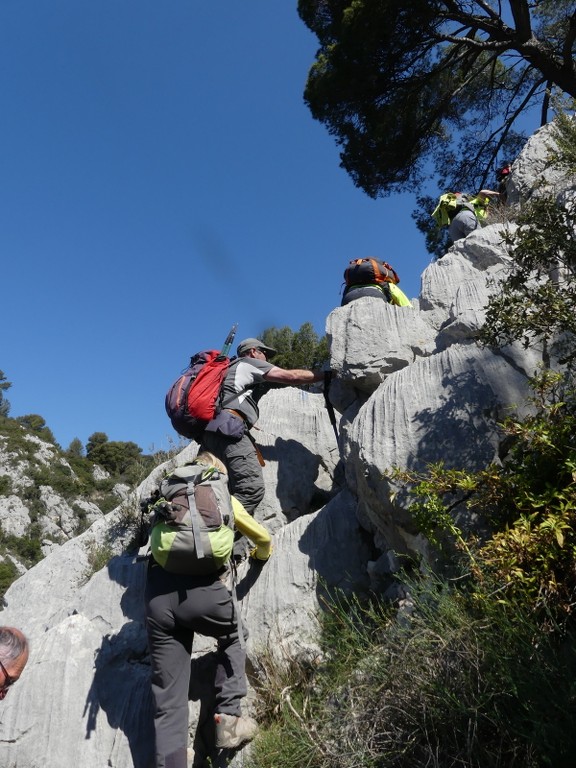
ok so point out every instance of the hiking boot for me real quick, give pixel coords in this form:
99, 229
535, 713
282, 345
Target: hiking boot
232, 731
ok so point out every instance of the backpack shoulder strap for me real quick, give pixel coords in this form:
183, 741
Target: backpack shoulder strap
194, 516
383, 272
378, 274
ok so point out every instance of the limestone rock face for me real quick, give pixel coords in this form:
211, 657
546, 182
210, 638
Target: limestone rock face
29, 502
14, 516
88, 641
442, 408
411, 386
533, 173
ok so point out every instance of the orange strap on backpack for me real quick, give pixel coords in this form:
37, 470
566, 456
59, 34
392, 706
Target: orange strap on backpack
380, 276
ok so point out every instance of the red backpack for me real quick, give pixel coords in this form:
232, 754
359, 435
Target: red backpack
195, 397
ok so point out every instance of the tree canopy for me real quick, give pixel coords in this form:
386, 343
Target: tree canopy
115, 456
297, 349
37, 424
434, 88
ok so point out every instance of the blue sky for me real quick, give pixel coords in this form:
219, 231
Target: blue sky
160, 179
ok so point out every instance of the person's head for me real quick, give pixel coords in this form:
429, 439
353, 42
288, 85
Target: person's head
254, 348
13, 657
208, 459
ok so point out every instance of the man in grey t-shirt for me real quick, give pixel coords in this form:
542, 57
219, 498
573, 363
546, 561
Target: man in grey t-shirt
227, 436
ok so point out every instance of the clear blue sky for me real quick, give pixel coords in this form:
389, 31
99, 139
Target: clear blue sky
160, 179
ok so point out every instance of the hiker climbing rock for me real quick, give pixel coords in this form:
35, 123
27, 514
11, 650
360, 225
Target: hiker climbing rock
228, 435
372, 277
462, 213
502, 177
185, 595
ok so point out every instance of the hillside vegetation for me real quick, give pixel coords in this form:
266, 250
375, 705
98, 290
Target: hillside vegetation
48, 495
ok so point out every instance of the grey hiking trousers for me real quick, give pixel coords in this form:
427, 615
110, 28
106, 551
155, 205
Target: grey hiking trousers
244, 471
177, 607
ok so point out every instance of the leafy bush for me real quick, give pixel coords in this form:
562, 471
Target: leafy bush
529, 502
5, 485
8, 573
38, 426
26, 548
448, 682
98, 557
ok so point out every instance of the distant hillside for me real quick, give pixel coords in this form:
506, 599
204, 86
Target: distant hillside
49, 495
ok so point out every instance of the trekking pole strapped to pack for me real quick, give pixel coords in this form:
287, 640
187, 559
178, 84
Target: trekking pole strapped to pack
229, 340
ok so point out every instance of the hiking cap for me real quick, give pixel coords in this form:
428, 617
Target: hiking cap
247, 344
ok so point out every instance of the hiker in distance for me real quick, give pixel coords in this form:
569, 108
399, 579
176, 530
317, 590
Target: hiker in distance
471, 212
502, 177
186, 592
228, 435
13, 657
375, 278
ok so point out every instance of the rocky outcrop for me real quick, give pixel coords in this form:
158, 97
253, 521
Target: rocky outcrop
533, 172
412, 387
57, 517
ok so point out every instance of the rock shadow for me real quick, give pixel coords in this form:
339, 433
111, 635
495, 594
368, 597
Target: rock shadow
463, 430
297, 475
121, 685
338, 548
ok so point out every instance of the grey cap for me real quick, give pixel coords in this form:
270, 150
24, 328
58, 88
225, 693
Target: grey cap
247, 344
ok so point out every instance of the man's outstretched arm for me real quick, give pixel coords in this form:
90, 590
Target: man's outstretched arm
294, 376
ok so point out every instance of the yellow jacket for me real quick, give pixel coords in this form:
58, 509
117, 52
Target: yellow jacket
257, 534
399, 297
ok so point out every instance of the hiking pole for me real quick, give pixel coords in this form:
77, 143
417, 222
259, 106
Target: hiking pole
228, 341
329, 406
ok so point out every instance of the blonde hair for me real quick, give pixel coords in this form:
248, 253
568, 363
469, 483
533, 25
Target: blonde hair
208, 459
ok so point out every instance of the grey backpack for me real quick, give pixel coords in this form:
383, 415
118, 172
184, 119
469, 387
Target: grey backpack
192, 524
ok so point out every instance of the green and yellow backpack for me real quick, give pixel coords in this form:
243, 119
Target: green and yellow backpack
192, 521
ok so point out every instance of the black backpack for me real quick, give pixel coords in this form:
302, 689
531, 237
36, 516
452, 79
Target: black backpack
363, 271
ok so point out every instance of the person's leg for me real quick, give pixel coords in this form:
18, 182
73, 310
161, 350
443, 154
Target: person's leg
220, 620
245, 478
214, 615
170, 648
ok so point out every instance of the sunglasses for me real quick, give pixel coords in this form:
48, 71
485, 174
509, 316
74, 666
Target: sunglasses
8, 681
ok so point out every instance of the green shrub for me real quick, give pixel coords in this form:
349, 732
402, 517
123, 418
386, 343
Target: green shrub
26, 548
5, 485
8, 574
529, 502
99, 555
81, 519
449, 682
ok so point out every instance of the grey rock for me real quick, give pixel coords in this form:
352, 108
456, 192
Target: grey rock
14, 516
370, 339
533, 173
445, 407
